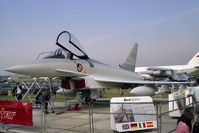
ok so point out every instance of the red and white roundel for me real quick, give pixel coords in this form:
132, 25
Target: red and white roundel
79, 67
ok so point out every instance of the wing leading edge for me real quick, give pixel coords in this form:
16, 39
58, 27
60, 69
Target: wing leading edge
117, 80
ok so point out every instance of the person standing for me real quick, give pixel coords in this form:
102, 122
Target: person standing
37, 95
195, 95
17, 91
45, 99
187, 121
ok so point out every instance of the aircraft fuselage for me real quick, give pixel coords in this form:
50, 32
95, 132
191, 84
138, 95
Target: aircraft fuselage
49, 67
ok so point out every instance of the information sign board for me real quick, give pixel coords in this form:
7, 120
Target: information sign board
132, 113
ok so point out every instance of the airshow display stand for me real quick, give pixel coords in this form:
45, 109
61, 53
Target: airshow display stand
178, 104
132, 113
176, 107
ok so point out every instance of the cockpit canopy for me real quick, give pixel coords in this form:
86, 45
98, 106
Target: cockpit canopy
69, 43
70, 48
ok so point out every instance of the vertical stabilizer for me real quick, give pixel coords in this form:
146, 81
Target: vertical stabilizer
130, 62
194, 61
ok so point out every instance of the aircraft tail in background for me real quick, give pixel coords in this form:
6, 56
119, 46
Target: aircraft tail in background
130, 62
194, 61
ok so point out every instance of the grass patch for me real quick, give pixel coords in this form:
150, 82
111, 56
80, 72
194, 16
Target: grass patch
107, 93
7, 98
58, 98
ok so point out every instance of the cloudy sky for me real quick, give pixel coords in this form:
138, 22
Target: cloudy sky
167, 31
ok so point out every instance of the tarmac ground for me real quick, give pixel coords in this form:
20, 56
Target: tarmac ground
78, 121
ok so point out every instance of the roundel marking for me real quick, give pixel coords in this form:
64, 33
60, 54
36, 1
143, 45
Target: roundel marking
79, 67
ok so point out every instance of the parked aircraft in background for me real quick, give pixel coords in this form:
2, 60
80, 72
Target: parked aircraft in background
78, 72
175, 72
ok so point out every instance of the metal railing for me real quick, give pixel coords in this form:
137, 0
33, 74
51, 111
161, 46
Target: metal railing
91, 111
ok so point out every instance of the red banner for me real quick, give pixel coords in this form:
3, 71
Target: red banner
15, 112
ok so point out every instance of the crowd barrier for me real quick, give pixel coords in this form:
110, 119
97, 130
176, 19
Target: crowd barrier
98, 117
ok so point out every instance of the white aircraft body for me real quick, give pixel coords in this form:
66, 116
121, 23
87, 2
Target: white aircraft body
81, 73
191, 68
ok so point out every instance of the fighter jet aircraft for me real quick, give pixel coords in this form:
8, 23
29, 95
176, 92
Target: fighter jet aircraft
78, 72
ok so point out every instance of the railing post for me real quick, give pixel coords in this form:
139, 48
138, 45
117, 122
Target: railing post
43, 118
92, 117
160, 117
157, 118
184, 99
192, 102
91, 123
89, 113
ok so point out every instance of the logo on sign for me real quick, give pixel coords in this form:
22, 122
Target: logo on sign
7, 114
132, 99
125, 126
79, 67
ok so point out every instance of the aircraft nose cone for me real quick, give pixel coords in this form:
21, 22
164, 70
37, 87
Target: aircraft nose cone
35, 70
14, 69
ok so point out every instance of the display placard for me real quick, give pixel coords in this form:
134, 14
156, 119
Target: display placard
176, 107
132, 113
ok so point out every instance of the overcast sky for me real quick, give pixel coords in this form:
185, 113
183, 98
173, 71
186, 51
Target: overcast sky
167, 31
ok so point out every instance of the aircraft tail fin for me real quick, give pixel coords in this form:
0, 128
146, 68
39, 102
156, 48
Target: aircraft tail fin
195, 60
130, 62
